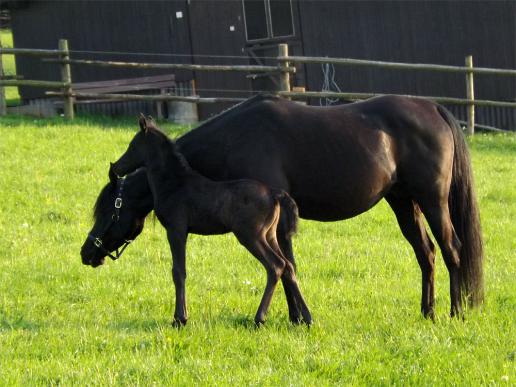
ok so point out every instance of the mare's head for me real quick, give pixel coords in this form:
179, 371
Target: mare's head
119, 215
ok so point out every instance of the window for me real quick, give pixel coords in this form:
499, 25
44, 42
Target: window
267, 19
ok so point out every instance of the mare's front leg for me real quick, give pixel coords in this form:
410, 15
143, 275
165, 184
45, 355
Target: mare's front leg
177, 240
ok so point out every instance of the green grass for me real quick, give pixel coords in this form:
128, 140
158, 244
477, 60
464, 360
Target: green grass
11, 93
65, 323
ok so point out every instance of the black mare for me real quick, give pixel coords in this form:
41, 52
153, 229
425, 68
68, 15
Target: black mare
338, 162
186, 202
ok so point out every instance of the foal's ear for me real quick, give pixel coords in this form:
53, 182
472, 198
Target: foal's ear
150, 122
143, 122
112, 175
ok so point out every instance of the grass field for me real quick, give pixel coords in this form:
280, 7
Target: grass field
11, 93
64, 323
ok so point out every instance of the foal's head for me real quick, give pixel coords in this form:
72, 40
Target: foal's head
134, 156
150, 145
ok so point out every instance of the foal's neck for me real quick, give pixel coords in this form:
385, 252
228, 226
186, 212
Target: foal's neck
166, 166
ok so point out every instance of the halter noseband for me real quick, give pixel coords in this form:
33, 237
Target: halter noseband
97, 241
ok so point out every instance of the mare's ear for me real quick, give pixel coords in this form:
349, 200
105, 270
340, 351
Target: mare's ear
143, 122
112, 175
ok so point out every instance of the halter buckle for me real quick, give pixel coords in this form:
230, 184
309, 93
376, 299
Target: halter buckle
97, 242
118, 203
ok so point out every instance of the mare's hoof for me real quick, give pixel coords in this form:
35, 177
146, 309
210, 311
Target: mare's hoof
179, 323
259, 323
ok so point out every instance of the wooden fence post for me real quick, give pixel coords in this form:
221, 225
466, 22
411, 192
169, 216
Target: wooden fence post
284, 77
66, 77
470, 95
3, 106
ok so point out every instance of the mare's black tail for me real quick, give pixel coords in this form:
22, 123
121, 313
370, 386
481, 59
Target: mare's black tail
465, 217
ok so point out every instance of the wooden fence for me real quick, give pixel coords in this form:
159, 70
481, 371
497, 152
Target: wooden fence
282, 70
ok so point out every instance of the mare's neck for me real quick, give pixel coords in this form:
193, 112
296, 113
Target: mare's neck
139, 193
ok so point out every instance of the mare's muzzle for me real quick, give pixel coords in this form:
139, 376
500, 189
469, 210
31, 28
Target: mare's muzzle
97, 240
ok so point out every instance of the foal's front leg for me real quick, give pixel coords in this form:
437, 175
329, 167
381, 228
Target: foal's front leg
177, 241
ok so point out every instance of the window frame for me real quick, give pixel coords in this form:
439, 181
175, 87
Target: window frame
268, 23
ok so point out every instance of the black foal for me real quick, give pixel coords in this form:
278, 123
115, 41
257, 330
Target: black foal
187, 202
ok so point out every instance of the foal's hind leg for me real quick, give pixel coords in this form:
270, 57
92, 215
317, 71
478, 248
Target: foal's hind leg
274, 266
285, 244
438, 217
290, 282
411, 224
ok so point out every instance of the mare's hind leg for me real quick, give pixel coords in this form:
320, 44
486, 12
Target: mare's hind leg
273, 265
285, 244
438, 217
413, 228
290, 282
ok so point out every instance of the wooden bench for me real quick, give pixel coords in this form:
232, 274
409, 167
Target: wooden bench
161, 83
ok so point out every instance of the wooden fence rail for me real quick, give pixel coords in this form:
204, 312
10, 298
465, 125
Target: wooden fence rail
140, 97
397, 65
66, 79
180, 66
34, 83
282, 70
30, 51
468, 69
360, 96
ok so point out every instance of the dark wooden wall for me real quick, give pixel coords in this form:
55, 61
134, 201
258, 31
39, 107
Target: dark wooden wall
441, 32
121, 26
217, 28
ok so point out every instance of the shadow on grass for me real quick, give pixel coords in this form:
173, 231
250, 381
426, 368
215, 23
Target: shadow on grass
246, 322
238, 321
123, 123
141, 325
17, 323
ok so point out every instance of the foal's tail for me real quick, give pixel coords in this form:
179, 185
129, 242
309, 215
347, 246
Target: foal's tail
289, 211
465, 217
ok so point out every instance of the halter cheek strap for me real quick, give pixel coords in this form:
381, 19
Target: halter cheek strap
99, 244
97, 241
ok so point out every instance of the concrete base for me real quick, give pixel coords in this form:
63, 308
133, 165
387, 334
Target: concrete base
182, 112
36, 108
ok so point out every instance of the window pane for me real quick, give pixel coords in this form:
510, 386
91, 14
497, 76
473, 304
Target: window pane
281, 17
255, 19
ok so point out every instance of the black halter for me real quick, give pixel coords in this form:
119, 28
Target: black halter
97, 241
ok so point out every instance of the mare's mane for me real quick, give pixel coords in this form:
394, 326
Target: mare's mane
235, 109
101, 204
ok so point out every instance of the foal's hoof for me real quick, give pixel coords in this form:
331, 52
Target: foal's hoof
179, 323
429, 314
259, 323
307, 322
459, 315
295, 320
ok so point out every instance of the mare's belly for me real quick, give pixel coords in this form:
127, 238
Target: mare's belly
340, 193
333, 209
